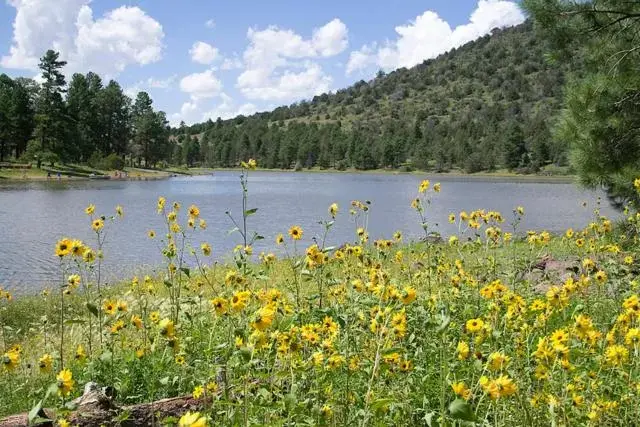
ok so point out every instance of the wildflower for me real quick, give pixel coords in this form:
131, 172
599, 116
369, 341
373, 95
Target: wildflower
295, 232
77, 248
335, 361
80, 353
628, 260
463, 350
279, 239
151, 234
206, 249
73, 280
109, 307
167, 328
154, 316
632, 338
239, 300
45, 363
333, 210
397, 236
616, 355
194, 212
202, 224
326, 411
452, 218
65, 382
161, 203
122, 306
601, 276
460, 389
10, 359
408, 295
119, 211
198, 392
117, 327
136, 321
193, 419
424, 186
474, 325
63, 247
436, 187
520, 210
97, 224
263, 318
180, 360
220, 305
498, 361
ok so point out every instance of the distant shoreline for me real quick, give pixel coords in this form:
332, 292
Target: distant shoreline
16, 175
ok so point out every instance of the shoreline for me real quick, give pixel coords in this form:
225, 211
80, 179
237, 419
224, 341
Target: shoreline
154, 175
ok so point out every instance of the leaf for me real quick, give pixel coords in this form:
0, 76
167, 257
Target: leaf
258, 237
168, 284
106, 357
250, 212
446, 320
429, 419
92, 309
186, 271
164, 381
381, 404
461, 410
33, 413
392, 350
233, 230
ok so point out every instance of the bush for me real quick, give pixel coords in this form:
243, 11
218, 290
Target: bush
95, 161
112, 162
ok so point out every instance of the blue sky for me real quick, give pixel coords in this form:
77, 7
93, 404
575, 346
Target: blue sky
206, 59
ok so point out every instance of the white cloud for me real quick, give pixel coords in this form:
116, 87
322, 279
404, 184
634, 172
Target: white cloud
203, 53
234, 63
210, 23
429, 35
201, 85
277, 65
331, 39
161, 83
199, 111
122, 37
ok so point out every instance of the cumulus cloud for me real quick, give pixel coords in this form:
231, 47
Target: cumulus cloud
233, 63
200, 110
210, 23
107, 45
429, 35
201, 85
203, 53
150, 83
277, 63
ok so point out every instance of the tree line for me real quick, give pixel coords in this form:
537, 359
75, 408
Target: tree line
82, 121
487, 105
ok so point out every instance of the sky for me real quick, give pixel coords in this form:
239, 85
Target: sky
201, 59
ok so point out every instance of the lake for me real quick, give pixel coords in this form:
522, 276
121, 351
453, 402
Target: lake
33, 216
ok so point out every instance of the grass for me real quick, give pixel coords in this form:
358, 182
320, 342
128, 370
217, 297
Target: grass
369, 333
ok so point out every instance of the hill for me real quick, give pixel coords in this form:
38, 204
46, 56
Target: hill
486, 105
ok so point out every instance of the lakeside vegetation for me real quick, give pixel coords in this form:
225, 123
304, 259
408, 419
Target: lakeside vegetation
477, 329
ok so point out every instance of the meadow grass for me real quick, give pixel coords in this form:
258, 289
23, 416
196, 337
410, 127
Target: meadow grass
471, 330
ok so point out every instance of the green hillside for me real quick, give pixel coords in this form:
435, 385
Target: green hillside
486, 105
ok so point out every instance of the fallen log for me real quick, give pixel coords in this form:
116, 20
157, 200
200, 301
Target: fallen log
94, 408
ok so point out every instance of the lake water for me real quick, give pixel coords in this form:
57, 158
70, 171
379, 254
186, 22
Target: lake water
33, 216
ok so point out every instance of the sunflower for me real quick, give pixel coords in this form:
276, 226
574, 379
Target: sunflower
65, 382
194, 211
203, 224
119, 211
109, 307
151, 234
333, 210
77, 248
206, 249
89, 210
97, 224
424, 186
63, 247
45, 363
295, 232
220, 305
279, 239
474, 325
167, 329
193, 419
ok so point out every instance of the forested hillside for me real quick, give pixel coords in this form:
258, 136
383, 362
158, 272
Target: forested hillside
486, 105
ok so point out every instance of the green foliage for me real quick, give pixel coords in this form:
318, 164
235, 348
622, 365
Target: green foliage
454, 111
600, 119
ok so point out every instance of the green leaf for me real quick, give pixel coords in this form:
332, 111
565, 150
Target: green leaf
92, 309
446, 320
250, 212
34, 412
186, 271
168, 284
106, 357
258, 237
461, 410
429, 419
381, 404
164, 381
233, 230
